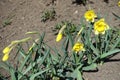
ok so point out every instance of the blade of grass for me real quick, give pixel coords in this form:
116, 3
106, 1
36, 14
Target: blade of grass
116, 15
37, 74
115, 51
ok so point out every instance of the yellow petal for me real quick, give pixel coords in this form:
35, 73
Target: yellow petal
96, 33
103, 32
6, 50
59, 37
107, 27
5, 57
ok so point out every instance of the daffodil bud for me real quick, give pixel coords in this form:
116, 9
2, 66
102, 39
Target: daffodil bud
59, 37
6, 50
5, 57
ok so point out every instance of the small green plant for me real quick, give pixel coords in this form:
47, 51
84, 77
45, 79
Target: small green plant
70, 27
80, 2
2, 77
48, 15
6, 22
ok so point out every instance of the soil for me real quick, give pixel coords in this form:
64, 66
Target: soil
25, 15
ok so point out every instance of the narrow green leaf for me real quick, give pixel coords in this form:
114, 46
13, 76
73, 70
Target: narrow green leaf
116, 15
45, 56
79, 75
95, 50
90, 67
22, 53
4, 66
12, 73
116, 43
24, 62
76, 72
37, 74
65, 45
104, 55
28, 69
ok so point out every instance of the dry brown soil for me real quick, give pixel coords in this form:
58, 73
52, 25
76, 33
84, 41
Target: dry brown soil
25, 15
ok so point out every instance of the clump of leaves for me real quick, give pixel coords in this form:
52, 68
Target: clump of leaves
115, 34
107, 1
70, 27
2, 77
6, 22
48, 15
80, 2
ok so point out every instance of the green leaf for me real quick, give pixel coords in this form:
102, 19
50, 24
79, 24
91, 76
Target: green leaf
22, 53
37, 74
95, 50
90, 67
116, 15
3, 65
28, 69
104, 55
76, 73
12, 72
45, 56
116, 43
79, 75
24, 62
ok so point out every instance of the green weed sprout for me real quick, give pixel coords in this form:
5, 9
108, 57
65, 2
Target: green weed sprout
6, 22
48, 15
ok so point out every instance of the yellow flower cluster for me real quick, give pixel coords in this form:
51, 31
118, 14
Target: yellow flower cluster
8, 49
100, 26
90, 15
6, 52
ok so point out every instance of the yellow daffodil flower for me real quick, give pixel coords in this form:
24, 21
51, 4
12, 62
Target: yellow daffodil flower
6, 50
5, 57
100, 27
59, 37
90, 15
78, 47
119, 3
